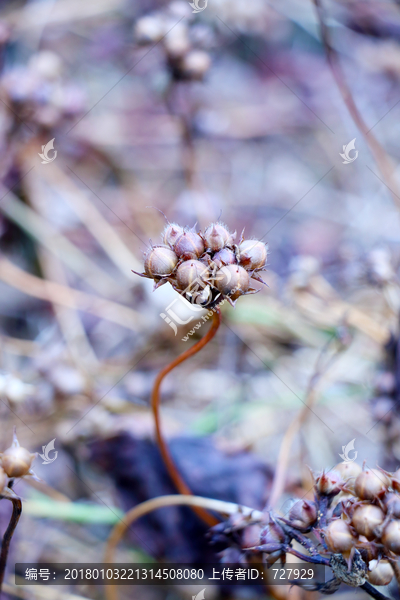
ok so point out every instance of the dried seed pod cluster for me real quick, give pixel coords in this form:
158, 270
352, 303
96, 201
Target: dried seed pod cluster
206, 267
183, 41
15, 461
352, 525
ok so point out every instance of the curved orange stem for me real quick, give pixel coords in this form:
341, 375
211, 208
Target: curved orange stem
176, 477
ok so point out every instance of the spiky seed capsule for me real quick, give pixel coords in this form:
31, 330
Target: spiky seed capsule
391, 502
17, 461
160, 261
348, 471
253, 254
232, 281
171, 233
338, 536
303, 514
381, 574
391, 536
224, 257
370, 484
191, 274
366, 519
216, 237
189, 245
328, 483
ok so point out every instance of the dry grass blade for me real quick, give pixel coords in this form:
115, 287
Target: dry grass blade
105, 234
64, 296
38, 228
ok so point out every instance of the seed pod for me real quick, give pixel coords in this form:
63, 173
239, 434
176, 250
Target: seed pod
149, 30
216, 237
224, 257
303, 514
328, 484
189, 245
192, 275
381, 574
348, 471
176, 43
232, 281
16, 461
160, 261
366, 519
253, 254
370, 484
339, 537
391, 536
391, 502
368, 550
171, 233
195, 64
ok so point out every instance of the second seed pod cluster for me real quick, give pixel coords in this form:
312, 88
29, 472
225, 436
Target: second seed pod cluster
206, 267
353, 525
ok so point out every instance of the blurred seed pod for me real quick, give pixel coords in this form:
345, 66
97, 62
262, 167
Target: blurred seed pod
149, 29
338, 536
176, 42
391, 536
195, 64
46, 64
366, 519
381, 573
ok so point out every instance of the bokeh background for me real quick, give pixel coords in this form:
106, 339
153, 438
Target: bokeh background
251, 132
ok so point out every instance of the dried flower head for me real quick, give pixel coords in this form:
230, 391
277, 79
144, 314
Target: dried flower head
204, 267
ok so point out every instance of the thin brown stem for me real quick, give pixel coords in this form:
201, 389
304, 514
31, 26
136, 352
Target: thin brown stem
378, 152
225, 508
176, 477
5, 545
